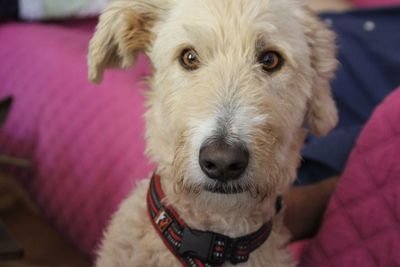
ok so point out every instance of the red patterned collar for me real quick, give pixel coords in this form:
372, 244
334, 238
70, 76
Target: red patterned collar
194, 248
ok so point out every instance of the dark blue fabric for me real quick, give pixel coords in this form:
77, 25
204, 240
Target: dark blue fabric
369, 55
8, 9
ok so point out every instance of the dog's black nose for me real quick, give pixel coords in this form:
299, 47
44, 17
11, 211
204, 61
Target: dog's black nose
222, 161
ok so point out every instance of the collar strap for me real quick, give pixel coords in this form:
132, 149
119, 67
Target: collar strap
195, 248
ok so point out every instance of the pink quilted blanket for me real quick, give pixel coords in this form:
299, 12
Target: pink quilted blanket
362, 223
85, 142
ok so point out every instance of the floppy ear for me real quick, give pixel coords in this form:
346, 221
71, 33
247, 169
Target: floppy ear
322, 114
124, 29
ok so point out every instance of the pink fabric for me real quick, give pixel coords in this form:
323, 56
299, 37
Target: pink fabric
85, 141
297, 249
362, 223
375, 3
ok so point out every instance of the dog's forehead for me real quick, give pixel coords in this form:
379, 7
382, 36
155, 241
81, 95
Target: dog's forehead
239, 21
236, 9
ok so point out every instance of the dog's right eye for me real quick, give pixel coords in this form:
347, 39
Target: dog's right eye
189, 59
271, 61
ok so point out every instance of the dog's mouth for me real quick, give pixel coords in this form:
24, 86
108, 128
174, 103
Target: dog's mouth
224, 188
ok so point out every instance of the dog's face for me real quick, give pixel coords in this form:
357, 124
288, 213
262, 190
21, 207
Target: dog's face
235, 84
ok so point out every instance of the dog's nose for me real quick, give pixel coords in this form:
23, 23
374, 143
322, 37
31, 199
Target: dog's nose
222, 161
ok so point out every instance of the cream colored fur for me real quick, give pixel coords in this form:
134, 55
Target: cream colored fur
269, 112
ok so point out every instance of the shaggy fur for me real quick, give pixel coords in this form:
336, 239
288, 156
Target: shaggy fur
229, 93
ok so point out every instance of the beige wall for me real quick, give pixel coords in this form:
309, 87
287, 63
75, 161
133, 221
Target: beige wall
322, 5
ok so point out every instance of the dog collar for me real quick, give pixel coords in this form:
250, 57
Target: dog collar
194, 248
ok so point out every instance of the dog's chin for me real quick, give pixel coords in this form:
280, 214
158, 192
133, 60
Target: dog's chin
227, 189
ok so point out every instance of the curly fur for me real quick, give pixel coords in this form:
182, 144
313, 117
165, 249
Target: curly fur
270, 113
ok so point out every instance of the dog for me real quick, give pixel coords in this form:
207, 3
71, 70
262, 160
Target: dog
236, 87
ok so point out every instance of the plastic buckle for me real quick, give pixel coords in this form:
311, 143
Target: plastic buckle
197, 244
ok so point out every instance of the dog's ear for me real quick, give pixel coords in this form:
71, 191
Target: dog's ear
124, 29
322, 114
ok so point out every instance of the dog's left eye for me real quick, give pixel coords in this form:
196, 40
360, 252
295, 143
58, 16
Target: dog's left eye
270, 61
189, 59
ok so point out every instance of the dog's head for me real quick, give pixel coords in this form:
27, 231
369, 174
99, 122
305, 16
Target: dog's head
235, 85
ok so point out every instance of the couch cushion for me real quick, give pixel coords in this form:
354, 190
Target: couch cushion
362, 223
375, 3
85, 142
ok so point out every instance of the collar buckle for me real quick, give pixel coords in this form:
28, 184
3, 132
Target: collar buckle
200, 245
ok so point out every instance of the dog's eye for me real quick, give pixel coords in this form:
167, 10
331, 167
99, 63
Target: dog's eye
189, 59
270, 61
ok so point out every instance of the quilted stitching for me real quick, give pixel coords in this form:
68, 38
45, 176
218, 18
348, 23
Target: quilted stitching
86, 142
362, 222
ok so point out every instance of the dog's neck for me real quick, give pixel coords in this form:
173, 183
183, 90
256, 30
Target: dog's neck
232, 215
